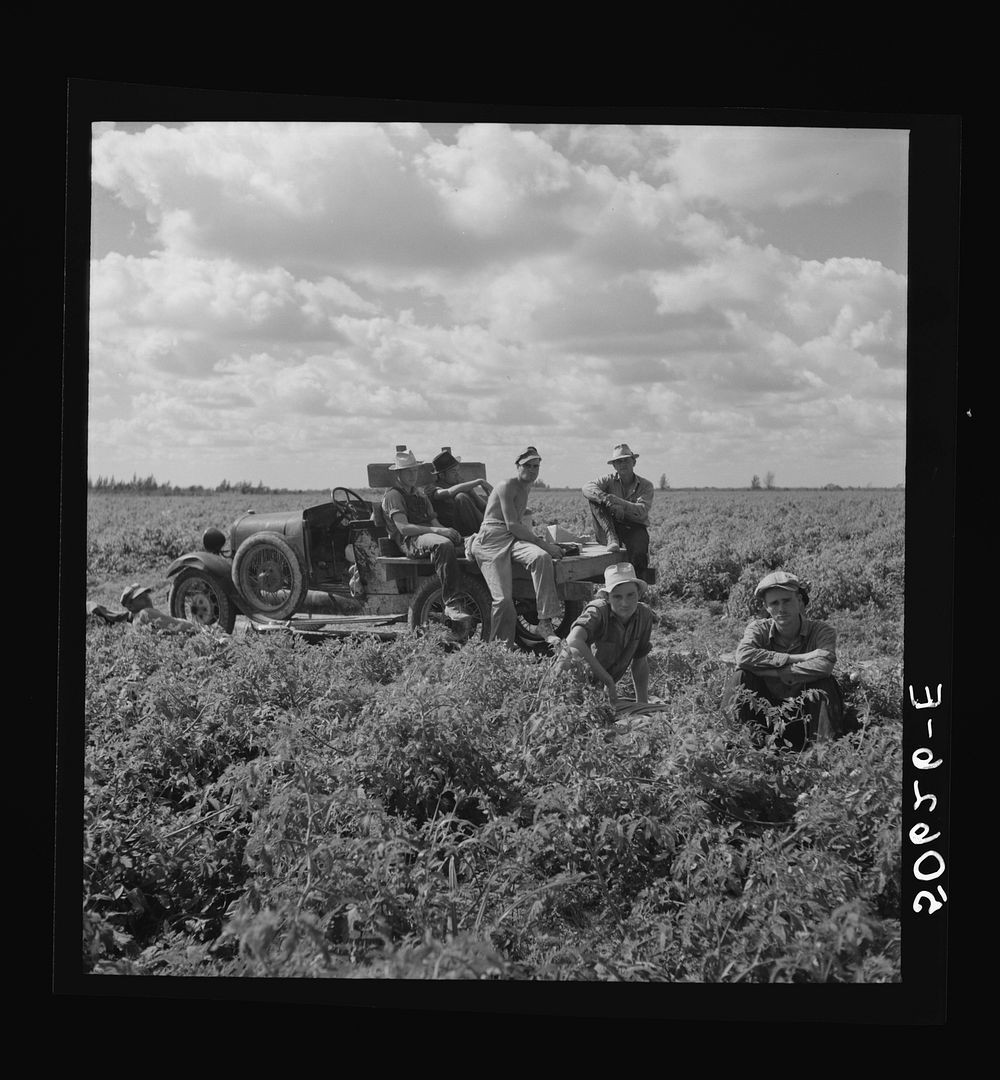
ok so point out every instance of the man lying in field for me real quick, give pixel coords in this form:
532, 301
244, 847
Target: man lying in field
783, 655
613, 633
142, 613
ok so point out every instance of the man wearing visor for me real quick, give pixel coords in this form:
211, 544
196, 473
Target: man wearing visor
504, 538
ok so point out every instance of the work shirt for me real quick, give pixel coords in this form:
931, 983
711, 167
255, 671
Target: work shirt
615, 643
416, 506
638, 491
758, 652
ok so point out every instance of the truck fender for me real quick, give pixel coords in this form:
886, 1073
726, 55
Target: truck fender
217, 567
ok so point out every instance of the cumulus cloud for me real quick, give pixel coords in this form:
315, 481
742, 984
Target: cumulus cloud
573, 281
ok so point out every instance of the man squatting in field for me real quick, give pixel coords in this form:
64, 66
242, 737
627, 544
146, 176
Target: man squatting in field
781, 656
458, 504
613, 632
142, 613
413, 525
619, 505
503, 538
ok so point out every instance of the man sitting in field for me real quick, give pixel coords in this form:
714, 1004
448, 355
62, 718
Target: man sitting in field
780, 657
613, 633
142, 613
458, 504
413, 525
620, 504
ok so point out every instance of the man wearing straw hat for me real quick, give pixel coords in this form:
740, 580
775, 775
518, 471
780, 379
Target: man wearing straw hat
411, 522
613, 633
620, 504
458, 504
782, 656
504, 537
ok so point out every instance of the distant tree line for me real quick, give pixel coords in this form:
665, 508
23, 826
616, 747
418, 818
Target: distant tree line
147, 485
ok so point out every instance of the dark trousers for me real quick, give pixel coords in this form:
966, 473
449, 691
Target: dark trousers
463, 513
444, 559
632, 537
809, 721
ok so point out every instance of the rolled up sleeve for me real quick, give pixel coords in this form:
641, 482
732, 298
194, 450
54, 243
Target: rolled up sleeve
595, 490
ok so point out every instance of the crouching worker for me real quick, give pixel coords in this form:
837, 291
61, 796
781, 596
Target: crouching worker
412, 524
614, 632
139, 605
780, 657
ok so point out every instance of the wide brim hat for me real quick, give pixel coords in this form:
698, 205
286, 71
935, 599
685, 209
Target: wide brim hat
405, 459
620, 574
133, 592
621, 452
781, 579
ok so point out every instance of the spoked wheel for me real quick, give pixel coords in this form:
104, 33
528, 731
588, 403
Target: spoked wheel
196, 597
427, 608
268, 575
526, 628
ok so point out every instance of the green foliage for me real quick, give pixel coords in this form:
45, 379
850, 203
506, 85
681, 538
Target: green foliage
265, 807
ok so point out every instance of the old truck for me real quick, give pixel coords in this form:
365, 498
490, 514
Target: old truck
332, 569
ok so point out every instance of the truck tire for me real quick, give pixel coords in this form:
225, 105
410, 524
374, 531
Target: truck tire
427, 605
268, 575
195, 596
527, 619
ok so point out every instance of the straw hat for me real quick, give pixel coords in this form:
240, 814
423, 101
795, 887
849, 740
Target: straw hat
620, 452
405, 459
620, 574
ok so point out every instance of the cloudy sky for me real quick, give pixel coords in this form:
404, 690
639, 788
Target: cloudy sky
285, 302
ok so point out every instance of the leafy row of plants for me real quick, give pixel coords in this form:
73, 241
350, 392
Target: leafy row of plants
264, 807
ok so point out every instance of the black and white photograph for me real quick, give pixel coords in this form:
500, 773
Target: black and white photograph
499, 549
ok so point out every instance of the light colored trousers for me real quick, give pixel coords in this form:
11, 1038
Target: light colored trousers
494, 550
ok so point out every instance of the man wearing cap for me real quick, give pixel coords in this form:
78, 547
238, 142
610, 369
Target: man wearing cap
613, 632
139, 605
504, 537
620, 504
411, 522
783, 655
458, 504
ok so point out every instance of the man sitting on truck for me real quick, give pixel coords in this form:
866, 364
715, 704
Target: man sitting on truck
413, 525
620, 504
458, 504
505, 538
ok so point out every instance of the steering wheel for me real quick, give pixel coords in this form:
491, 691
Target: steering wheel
345, 505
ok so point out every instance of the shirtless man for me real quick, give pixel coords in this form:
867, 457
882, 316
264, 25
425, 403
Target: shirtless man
503, 538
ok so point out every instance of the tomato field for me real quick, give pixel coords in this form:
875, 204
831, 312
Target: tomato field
262, 806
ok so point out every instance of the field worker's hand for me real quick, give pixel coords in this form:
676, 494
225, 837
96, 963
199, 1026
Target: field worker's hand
554, 550
453, 535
